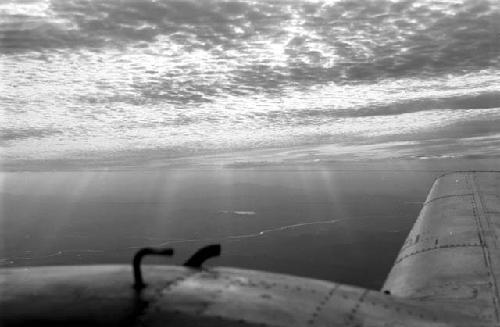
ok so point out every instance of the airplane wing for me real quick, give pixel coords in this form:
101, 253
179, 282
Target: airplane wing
180, 296
445, 275
452, 253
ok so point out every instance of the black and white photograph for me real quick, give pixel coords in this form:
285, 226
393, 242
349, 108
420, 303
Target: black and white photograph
260, 163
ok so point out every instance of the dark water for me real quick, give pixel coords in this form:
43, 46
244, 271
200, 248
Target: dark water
344, 226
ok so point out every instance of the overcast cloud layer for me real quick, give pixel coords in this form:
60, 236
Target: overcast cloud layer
109, 80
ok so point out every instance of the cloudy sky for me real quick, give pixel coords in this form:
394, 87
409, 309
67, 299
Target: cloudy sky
120, 82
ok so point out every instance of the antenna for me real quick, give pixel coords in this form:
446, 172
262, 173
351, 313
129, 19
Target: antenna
136, 263
196, 261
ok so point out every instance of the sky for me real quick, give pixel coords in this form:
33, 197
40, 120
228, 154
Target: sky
123, 83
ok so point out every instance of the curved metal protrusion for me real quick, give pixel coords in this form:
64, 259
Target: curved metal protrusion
203, 254
136, 263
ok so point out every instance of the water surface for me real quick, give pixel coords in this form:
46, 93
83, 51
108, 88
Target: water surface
339, 225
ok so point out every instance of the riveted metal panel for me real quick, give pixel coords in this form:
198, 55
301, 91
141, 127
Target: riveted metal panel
178, 296
451, 253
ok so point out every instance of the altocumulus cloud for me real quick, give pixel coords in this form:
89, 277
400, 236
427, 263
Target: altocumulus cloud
189, 76
10, 134
319, 42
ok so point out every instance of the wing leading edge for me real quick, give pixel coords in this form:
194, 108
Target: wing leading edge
452, 253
